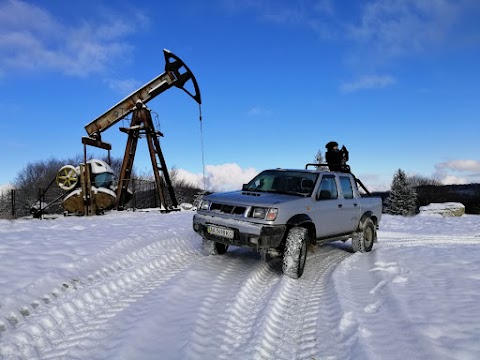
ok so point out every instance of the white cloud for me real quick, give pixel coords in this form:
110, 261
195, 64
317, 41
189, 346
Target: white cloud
374, 182
405, 27
459, 165
229, 176
190, 178
376, 31
33, 39
259, 111
324, 7
125, 86
368, 82
453, 180
300, 13
458, 172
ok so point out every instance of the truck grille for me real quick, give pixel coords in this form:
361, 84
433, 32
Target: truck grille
228, 209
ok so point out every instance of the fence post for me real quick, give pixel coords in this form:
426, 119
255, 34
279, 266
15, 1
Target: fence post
13, 204
134, 190
154, 194
39, 202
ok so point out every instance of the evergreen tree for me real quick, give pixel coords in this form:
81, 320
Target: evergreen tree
402, 199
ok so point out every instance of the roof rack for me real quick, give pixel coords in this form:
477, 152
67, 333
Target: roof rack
346, 170
317, 165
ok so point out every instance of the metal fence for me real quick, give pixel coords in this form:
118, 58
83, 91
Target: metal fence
17, 203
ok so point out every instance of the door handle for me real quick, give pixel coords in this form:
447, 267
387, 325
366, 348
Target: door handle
355, 204
340, 205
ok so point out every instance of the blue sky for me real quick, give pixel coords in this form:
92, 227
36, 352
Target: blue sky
397, 82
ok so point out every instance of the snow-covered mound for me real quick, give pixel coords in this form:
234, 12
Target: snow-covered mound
444, 209
187, 207
136, 285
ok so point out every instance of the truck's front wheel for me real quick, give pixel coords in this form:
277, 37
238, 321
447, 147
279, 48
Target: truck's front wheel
213, 248
363, 240
295, 254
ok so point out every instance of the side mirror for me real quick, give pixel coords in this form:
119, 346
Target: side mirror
244, 187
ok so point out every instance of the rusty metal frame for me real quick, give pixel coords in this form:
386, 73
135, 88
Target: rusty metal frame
142, 125
89, 207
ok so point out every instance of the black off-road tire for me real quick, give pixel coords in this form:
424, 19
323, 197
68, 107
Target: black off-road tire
295, 254
211, 247
363, 240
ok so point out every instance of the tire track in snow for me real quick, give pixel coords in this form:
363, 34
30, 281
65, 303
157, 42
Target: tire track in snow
296, 309
206, 293
322, 331
244, 312
11, 316
360, 287
394, 239
351, 328
73, 313
201, 340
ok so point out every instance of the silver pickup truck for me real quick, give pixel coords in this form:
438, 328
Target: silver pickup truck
284, 212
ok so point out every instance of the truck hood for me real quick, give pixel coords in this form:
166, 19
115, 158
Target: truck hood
250, 198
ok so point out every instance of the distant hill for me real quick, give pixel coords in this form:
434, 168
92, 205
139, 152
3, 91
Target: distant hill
468, 195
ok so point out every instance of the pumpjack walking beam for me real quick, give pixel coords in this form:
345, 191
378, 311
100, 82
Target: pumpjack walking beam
176, 74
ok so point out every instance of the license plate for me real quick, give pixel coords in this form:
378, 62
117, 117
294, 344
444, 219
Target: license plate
221, 231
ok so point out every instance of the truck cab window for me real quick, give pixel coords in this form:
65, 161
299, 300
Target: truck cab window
328, 189
346, 185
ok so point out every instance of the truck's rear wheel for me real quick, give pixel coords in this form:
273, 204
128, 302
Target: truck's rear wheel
211, 247
363, 240
295, 254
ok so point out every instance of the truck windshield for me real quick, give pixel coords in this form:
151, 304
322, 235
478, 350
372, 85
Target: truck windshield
285, 182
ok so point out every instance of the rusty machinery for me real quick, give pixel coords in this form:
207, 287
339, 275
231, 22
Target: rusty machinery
89, 200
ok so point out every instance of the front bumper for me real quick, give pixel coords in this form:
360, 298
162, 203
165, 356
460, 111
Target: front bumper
246, 234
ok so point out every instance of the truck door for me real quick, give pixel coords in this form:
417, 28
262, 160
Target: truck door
350, 208
327, 207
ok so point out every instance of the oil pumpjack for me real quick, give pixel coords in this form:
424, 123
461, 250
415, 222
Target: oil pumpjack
91, 194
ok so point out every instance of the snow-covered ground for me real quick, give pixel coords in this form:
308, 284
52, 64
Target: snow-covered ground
137, 286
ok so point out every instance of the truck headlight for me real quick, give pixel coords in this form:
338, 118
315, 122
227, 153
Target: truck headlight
259, 213
205, 205
264, 213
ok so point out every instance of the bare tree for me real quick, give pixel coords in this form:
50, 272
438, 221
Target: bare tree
418, 180
319, 157
37, 174
177, 181
320, 160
